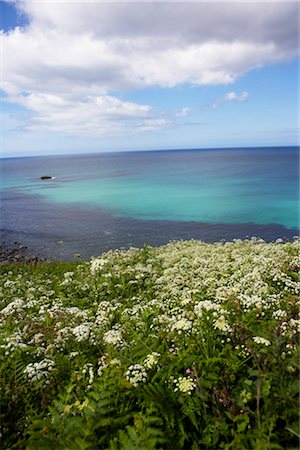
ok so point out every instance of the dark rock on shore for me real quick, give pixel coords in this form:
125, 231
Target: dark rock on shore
17, 253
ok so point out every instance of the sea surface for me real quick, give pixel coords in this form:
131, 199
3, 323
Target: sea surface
98, 202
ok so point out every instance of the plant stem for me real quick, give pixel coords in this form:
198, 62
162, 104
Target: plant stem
258, 399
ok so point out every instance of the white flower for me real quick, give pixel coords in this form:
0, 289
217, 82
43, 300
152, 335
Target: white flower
205, 305
13, 342
295, 323
113, 337
182, 325
15, 306
37, 371
37, 339
63, 334
73, 310
136, 374
81, 333
279, 314
261, 340
151, 360
115, 362
8, 283
97, 264
88, 369
68, 278
102, 364
185, 385
68, 274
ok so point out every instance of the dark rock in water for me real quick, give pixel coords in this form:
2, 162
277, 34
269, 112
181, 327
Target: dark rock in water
45, 177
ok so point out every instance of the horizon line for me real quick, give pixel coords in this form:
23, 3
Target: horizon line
106, 152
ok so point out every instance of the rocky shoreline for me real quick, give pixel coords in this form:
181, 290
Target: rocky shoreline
17, 253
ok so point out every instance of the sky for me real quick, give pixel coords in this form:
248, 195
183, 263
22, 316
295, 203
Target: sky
95, 76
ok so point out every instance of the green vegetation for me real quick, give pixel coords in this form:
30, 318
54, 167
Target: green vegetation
185, 346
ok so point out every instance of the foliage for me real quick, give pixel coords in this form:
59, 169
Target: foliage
184, 346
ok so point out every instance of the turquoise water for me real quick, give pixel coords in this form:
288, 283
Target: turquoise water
238, 201
233, 186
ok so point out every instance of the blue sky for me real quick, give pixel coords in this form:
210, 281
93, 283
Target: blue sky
97, 76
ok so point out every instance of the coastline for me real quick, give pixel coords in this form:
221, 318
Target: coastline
18, 253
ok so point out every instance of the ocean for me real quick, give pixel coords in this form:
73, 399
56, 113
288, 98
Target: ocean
98, 202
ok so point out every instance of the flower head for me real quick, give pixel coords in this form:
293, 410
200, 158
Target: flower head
185, 385
261, 340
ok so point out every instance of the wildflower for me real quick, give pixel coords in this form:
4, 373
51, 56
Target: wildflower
136, 374
261, 340
63, 333
8, 283
37, 339
205, 305
38, 370
13, 342
221, 324
81, 332
113, 337
102, 364
151, 360
279, 314
15, 306
68, 274
88, 369
115, 362
97, 264
185, 385
67, 278
182, 325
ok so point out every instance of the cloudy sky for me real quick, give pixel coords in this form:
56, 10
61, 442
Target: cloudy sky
103, 76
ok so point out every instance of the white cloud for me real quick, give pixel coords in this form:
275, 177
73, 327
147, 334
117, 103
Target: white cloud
229, 97
234, 96
152, 124
183, 112
98, 116
75, 58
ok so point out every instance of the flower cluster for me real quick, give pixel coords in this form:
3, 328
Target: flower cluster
114, 337
261, 340
221, 324
136, 374
88, 370
184, 384
81, 332
12, 343
151, 360
39, 370
182, 325
97, 264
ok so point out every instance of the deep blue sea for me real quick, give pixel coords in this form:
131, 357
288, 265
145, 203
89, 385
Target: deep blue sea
98, 202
